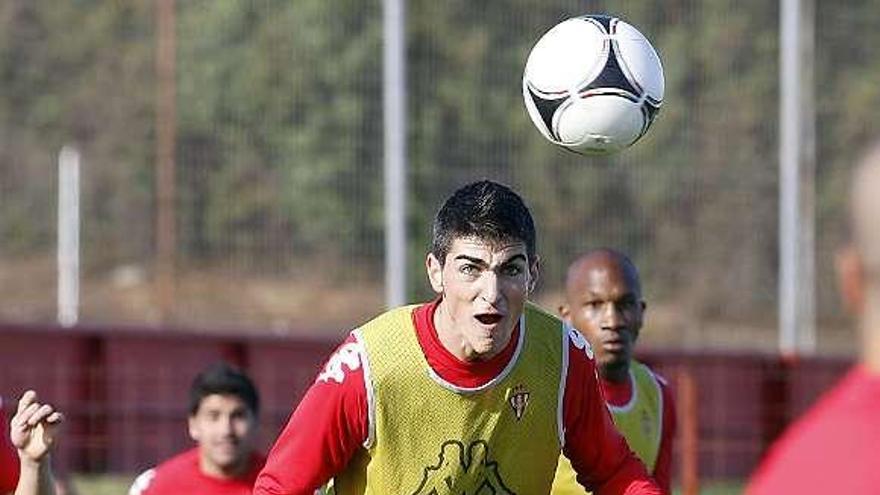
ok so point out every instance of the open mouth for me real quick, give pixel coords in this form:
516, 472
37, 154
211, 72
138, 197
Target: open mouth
489, 319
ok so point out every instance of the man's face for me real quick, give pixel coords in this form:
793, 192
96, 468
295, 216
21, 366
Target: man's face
484, 288
603, 302
225, 429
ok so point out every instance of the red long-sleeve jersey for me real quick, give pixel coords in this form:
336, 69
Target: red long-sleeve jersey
830, 449
331, 422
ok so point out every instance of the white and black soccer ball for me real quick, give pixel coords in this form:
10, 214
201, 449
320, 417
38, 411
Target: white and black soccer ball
593, 84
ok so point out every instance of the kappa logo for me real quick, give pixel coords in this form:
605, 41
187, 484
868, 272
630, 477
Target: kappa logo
461, 471
579, 341
142, 482
519, 400
349, 355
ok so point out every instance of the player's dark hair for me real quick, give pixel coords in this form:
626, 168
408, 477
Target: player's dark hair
486, 210
221, 378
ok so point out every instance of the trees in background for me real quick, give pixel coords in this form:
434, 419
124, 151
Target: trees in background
280, 135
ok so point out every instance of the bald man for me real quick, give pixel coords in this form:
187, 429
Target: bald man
603, 299
833, 447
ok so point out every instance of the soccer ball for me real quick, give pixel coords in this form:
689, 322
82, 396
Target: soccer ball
593, 84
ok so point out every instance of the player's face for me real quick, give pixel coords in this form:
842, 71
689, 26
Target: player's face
225, 429
604, 304
484, 288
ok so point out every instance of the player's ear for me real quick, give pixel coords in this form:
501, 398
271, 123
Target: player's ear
639, 318
850, 278
435, 272
534, 273
193, 428
565, 312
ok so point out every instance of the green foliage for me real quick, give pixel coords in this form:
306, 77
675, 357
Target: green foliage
279, 138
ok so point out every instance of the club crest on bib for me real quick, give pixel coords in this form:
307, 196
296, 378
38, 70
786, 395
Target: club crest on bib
518, 400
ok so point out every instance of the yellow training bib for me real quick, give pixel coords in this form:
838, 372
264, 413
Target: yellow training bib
640, 421
428, 436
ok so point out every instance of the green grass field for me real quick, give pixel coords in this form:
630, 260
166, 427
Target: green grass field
718, 488
107, 484
101, 484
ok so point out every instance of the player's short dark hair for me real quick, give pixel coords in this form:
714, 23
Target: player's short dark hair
486, 210
221, 378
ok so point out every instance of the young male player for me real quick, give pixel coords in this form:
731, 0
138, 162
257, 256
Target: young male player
223, 408
603, 299
474, 392
33, 431
833, 447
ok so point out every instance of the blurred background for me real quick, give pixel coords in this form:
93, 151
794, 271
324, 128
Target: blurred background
232, 202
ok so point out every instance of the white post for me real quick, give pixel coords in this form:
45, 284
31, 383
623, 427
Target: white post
797, 327
68, 236
394, 112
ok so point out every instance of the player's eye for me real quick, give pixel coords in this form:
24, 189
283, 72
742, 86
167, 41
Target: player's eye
511, 270
626, 305
468, 269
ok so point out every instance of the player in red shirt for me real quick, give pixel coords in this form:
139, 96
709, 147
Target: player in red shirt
603, 299
832, 448
223, 409
33, 432
468, 343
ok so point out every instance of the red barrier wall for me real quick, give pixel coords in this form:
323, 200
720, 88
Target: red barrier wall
744, 401
124, 391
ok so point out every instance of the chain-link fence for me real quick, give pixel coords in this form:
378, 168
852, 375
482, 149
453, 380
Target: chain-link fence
278, 201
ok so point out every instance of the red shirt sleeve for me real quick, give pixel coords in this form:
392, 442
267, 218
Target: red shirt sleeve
663, 466
598, 452
325, 430
9, 467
